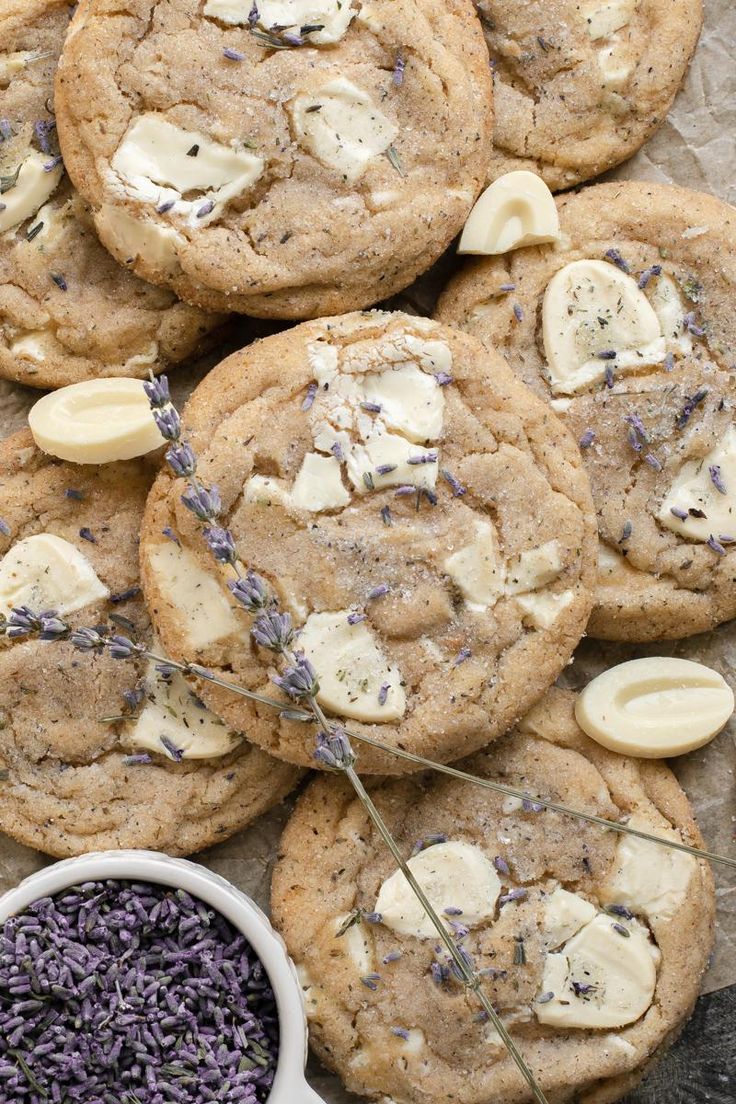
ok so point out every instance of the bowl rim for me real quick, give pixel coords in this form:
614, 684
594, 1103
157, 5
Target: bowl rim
158, 868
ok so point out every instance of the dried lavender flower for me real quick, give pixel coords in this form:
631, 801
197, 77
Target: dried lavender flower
457, 488
250, 591
587, 439
716, 477
168, 422
181, 459
333, 751
378, 591
157, 392
5, 529
221, 544
299, 680
273, 630
204, 504
615, 257
399, 67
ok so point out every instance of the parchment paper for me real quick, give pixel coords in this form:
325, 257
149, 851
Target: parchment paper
696, 147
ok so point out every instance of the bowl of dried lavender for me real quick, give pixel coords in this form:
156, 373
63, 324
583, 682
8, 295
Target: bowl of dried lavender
129, 977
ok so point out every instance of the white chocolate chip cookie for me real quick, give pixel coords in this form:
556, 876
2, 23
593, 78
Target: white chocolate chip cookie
625, 326
591, 945
283, 159
68, 312
422, 517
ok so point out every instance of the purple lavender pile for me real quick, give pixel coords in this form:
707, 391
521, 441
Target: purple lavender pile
124, 993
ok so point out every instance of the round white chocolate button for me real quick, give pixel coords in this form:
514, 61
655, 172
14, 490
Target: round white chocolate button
654, 708
516, 210
95, 422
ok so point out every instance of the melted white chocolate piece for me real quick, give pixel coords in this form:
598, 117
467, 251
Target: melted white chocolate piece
132, 238
172, 712
656, 707
516, 210
649, 878
604, 17
453, 875
621, 972
542, 610
564, 914
341, 127
591, 307
693, 488
352, 669
203, 609
318, 485
31, 190
333, 17
357, 943
385, 459
95, 422
411, 402
670, 310
46, 572
477, 569
534, 568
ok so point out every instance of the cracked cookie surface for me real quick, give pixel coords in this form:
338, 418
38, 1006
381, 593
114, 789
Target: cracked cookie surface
284, 172
67, 780
580, 86
385, 1013
645, 383
420, 514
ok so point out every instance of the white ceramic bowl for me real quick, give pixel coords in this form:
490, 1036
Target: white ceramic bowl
290, 1086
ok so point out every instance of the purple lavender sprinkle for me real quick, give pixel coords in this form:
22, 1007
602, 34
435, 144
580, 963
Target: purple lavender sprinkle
716, 545
716, 477
221, 544
587, 439
355, 618
462, 655
392, 956
634, 440
501, 865
457, 488
507, 287
443, 378
371, 981
517, 894
638, 427
452, 911
373, 917
157, 392
371, 407
87, 534
233, 55
655, 270
691, 403
423, 458
607, 354
204, 504
206, 209
610, 378
726, 539
309, 398
620, 910
621, 930
545, 998
691, 326
171, 749
53, 164
59, 280
626, 531
399, 67
615, 257
386, 517
169, 533
253, 15
5, 529
336, 450
401, 1032
139, 759
653, 462
518, 313
125, 595
530, 806
581, 988
385, 469
406, 489
383, 693
165, 207
292, 39
678, 513
6, 131
379, 591
42, 129
669, 362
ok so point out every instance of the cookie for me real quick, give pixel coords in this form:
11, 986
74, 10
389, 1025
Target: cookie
592, 944
284, 171
626, 327
420, 514
579, 87
97, 753
68, 312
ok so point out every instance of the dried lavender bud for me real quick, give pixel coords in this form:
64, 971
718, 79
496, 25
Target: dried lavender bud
336, 450
140, 759
669, 362
273, 630
132, 993
5, 529
655, 270
87, 640
309, 398
121, 647
620, 910
392, 956
717, 478
385, 469
42, 129
133, 698
373, 917
181, 459
334, 752
678, 513
621, 930
399, 67
609, 377
253, 15
607, 354
87, 534
406, 489
174, 753
298, 680
423, 458
206, 209
204, 504
168, 422
501, 865
587, 439
653, 462
460, 931
462, 655
233, 55
505, 288
378, 591
52, 627
371, 407
691, 326
716, 545
401, 1032
383, 693
221, 544
355, 618
518, 313
59, 280
545, 998
73, 494
157, 391
517, 894
443, 378
626, 532
615, 257
689, 407
371, 981
169, 533
638, 427
386, 516
166, 670
452, 911
457, 488
53, 164
581, 988
166, 206
368, 480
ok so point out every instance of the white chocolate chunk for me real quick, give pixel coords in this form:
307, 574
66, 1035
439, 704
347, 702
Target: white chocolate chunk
411, 401
318, 485
693, 489
655, 707
648, 878
389, 450
172, 712
32, 189
154, 155
46, 572
12, 64
95, 422
203, 610
542, 610
265, 491
415, 1043
311, 992
34, 345
352, 669
516, 210
357, 943
332, 16
341, 127
534, 568
323, 360
670, 310
613, 568
477, 569
604, 17
564, 914
132, 238
592, 307
453, 875
622, 974
617, 62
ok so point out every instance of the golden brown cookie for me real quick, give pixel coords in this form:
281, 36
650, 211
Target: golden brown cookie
285, 160
94, 752
580, 86
68, 312
592, 945
420, 514
626, 327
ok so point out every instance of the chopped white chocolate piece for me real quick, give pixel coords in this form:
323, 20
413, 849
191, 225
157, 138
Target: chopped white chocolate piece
132, 238
706, 486
516, 210
31, 190
564, 914
534, 568
265, 490
477, 569
670, 310
341, 127
357, 943
604, 976
202, 606
612, 566
453, 875
332, 17
318, 485
96, 421
604, 17
410, 401
542, 610
592, 309
356, 679
656, 707
174, 722
46, 572
646, 877
617, 62
386, 461
34, 345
